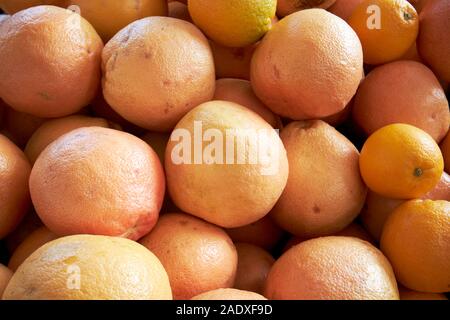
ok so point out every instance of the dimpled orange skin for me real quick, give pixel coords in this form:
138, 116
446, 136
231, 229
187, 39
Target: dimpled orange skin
240, 91
308, 66
317, 202
401, 161
416, 239
31, 243
197, 255
14, 195
434, 38
402, 92
254, 264
54, 82
139, 77
107, 182
13, 6
204, 190
344, 8
286, 7
5, 276
229, 294
263, 233
332, 268
445, 148
109, 269
53, 129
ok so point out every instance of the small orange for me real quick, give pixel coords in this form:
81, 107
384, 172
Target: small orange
445, 148
401, 161
386, 28
416, 240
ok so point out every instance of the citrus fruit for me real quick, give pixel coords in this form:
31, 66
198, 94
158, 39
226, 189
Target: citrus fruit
402, 92
319, 201
3, 17
13, 6
233, 23
344, 8
232, 62
332, 268
286, 7
401, 161
98, 181
416, 240
157, 69
243, 151
14, 195
308, 66
90, 267
54, 82
229, 294
197, 255
386, 28
5, 276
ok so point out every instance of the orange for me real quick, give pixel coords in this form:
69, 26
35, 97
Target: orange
416, 240
179, 10
254, 264
54, 82
233, 23
13, 6
324, 192
401, 161
14, 195
412, 54
157, 69
344, 8
109, 17
243, 151
229, 294
232, 62
241, 92
98, 181
332, 268
19, 127
445, 148
33, 242
308, 66
53, 129
434, 38
263, 233
3, 17
406, 294
28, 224
286, 7
197, 255
87, 267
402, 92
386, 28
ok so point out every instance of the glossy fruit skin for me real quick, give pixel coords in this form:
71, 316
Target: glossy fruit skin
57, 81
396, 33
332, 268
197, 255
317, 202
416, 239
98, 181
156, 70
229, 294
401, 161
110, 268
402, 92
308, 66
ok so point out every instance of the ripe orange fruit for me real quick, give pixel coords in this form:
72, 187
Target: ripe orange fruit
286, 7
197, 255
179, 10
19, 127
445, 148
5, 276
402, 92
317, 202
254, 264
263, 233
434, 38
406, 294
53, 129
332, 268
54, 82
416, 239
386, 28
247, 153
308, 66
229, 294
233, 23
232, 62
31, 243
344, 8
401, 161
98, 181
13, 6
241, 92
14, 195
87, 267
110, 17
157, 69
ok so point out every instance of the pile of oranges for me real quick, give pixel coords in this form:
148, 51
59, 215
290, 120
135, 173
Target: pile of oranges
225, 149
